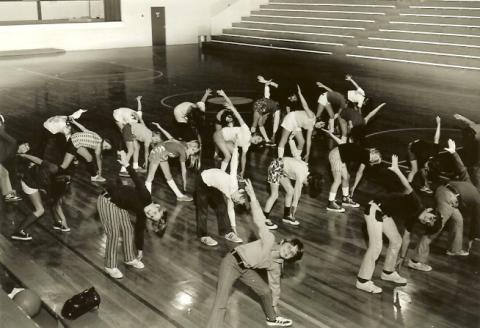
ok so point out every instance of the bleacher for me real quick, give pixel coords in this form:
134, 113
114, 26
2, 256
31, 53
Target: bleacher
431, 32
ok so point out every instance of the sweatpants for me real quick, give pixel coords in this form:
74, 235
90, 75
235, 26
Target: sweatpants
116, 223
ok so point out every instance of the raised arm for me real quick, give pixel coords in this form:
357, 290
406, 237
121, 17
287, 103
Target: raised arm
222, 93
80, 126
334, 137
403, 180
304, 103
459, 166
207, 93
350, 79
258, 217
358, 177
465, 120
373, 112
436, 138
139, 184
165, 132
321, 85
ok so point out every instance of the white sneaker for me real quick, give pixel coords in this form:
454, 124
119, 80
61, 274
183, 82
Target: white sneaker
232, 236
419, 266
184, 198
114, 273
270, 225
459, 253
137, 264
98, 178
280, 322
393, 277
209, 241
368, 287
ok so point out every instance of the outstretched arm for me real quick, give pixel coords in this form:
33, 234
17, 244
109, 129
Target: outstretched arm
373, 112
358, 177
459, 166
321, 85
350, 79
31, 158
334, 137
207, 93
80, 126
395, 169
304, 103
165, 132
222, 93
436, 138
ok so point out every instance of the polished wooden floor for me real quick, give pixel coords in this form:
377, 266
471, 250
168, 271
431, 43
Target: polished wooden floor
177, 287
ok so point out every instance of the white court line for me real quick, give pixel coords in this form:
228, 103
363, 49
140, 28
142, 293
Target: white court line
200, 92
274, 47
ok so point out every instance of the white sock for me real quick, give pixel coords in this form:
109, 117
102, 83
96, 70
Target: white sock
135, 165
123, 169
148, 185
280, 152
224, 165
345, 192
332, 196
174, 188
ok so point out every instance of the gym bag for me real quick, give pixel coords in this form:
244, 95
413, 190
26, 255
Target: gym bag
81, 303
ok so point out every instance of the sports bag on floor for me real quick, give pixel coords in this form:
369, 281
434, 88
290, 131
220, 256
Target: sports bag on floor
81, 303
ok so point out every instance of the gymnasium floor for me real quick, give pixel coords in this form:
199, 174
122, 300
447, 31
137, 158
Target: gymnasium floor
178, 285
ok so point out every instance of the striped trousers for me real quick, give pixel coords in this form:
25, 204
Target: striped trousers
116, 223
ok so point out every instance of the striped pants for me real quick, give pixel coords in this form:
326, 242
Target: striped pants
116, 223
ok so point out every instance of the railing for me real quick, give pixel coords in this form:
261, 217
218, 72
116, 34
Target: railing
224, 12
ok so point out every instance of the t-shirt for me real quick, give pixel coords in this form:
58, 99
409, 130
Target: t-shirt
303, 120
353, 153
39, 176
168, 149
141, 132
295, 169
181, 111
350, 114
336, 99
241, 133
423, 150
86, 139
125, 115
404, 207
127, 133
220, 180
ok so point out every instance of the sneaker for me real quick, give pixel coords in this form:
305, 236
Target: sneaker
140, 169
393, 277
98, 178
334, 207
280, 322
459, 253
124, 174
426, 190
270, 225
21, 235
61, 227
232, 236
184, 198
348, 201
419, 266
136, 263
270, 144
12, 197
368, 287
209, 241
114, 273
291, 221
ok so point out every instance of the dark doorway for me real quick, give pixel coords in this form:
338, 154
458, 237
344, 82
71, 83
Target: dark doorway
158, 26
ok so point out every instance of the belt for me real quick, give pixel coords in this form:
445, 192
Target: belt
239, 259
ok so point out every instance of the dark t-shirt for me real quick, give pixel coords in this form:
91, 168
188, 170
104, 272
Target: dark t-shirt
127, 133
423, 150
403, 207
336, 99
350, 114
354, 153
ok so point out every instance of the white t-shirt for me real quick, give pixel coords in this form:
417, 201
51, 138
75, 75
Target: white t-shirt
125, 115
240, 133
220, 180
181, 110
295, 169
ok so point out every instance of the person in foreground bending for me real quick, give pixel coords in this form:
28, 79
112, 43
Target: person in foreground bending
113, 206
242, 261
218, 189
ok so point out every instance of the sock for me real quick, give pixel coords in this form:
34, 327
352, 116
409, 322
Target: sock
148, 185
91, 168
135, 165
286, 211
332, 196
123, 169
362, 280
267, 214
280, 152
174, 188
387, 272
224, 165
345, 191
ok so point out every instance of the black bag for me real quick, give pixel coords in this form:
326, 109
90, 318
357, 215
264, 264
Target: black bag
81, 303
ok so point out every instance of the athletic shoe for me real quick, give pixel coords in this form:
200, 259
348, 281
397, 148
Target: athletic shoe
114, 273
419, 266
270, 225
291, 221
459, 253
124, 174
98, 178
61, 227
12, 197
393, 277
184, 198
368, 287
232, 236
209, 241
348, 201
334, 207
140, 169
426, 190
280, 322
270, 144
21, 235
136, 263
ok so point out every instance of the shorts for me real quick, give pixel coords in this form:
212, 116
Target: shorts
265, 106
276, 171
323, 99
290, 123
70, 147
26, 189
335, 161
158, 154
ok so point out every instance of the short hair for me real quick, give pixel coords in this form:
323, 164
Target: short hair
298, 243
436, 227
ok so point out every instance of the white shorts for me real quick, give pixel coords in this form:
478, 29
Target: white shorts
26, 189
323, 100
289, 123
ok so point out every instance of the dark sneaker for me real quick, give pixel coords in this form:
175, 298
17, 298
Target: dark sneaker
334, 207
290, 220
12, 197
124, 174
426, 190
21, 235
270, 225
60, 227
347, 201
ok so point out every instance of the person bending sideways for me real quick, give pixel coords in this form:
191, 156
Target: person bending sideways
263, 108
474, 129
113, 208
331, 101
242, 261
339, 158
183, 113
8, 146
41, 176
219, 190
280, 172
453, 200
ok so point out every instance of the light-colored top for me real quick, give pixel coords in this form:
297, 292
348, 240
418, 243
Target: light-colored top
55, 124
125, 115
86, 139
295, 169
241, 134
141, 132
303, 120
181, 110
